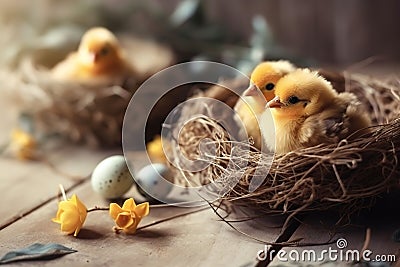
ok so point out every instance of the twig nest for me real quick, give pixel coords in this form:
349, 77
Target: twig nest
89, 112
349, 175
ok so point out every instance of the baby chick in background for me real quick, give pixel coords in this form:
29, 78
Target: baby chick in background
307, 111
266, 74
99, 59
264, 77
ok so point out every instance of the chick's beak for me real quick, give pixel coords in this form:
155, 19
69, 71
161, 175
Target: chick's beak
274, 103
89, 58
96, 57
251, 91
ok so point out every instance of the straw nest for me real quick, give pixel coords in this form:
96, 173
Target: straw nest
346, 176
89, 113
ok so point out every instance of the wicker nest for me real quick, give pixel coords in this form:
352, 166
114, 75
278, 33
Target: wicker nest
89, 113
348, 175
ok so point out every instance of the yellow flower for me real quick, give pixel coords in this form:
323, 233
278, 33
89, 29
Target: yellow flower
23, 144
71, 215
156, 151
128, 217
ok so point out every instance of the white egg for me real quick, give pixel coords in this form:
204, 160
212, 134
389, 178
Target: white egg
111, 177
149, 180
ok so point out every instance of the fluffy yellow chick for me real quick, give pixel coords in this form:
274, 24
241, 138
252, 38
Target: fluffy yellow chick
307, 111
266, 74
263, 77
99, 59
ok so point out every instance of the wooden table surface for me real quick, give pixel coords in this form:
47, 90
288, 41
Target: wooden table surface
28, 201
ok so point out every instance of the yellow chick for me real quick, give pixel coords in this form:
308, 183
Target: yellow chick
23, 145
307, 111
264, 77
99, 59
266, 74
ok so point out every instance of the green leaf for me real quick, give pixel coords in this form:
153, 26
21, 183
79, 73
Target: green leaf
262, 41
184, 11
36, 251
26, 123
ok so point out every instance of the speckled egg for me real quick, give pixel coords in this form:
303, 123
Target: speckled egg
151, 184
111, 177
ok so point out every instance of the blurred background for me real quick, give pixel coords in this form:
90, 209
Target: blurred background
332, 32
355, 35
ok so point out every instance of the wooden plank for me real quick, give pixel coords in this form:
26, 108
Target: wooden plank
24, 184
199, 239
28, 184
382, 221
195, 240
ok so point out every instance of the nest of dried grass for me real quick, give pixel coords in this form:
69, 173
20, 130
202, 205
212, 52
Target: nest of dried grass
89, 113
348, 175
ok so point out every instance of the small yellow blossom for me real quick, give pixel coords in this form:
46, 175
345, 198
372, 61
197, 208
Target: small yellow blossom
156, 151
71, 215
129, 216
23, 144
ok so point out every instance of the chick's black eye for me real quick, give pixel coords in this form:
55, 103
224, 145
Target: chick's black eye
104, 51
269, 86
293, 100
